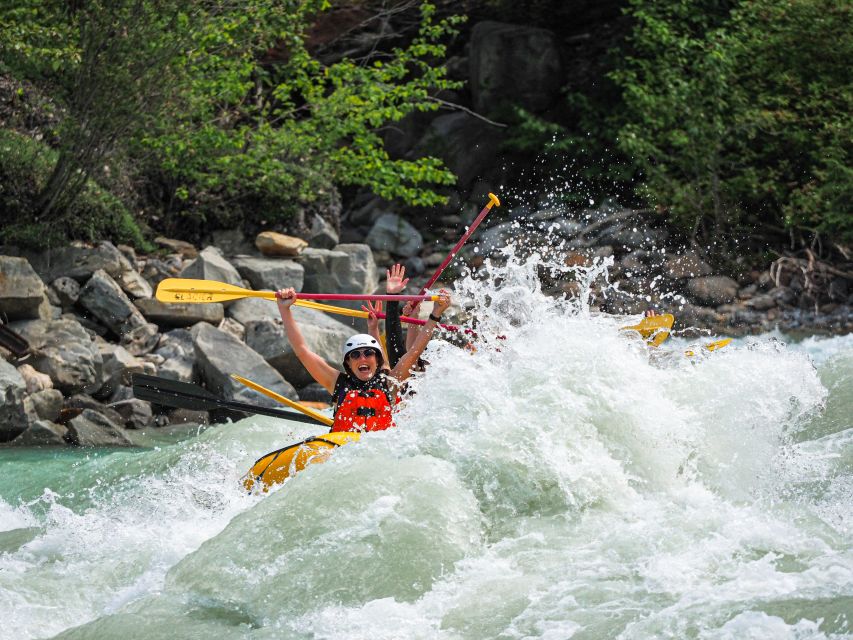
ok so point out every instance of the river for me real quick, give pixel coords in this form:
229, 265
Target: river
560, 482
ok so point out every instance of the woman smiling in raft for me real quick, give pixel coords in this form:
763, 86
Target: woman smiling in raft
365, 393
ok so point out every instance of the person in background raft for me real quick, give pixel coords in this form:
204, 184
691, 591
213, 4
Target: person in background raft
396, 282
366, 392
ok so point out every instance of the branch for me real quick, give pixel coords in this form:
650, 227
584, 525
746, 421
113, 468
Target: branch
459, 107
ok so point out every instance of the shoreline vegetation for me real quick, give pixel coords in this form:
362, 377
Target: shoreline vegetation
313, 145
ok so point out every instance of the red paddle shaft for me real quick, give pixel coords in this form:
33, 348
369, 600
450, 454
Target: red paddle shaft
493, 200
360, 296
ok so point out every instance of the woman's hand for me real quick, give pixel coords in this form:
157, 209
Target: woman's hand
373, 312
396, 279
410, 309
650, 313
441, 305
285, 298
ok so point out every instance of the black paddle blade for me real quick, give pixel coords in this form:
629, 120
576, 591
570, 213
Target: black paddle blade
13, 342
183, 395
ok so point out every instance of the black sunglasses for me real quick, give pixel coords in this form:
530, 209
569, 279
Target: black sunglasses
357, 353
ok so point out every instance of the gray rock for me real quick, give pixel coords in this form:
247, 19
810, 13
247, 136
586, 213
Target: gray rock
136, 413
35, 380
270, 274
219, 354
188, 416
762, 302
133, 284
22, 293
45, 405
315, 392
180, 314
391, 233
349, 268
322, 234
415, 266
252, 309
210, 265
119, 365
323, 334
42, 433
141, 339
79, 261
104, 299
155, 271
178, 351
67, 290
686, 265
231, 326
497, 236
232, 242
93, 429
66, 352
514, 63
713, 289
12, 410
83, 401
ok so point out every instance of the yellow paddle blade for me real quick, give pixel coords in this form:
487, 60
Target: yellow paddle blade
202, 291
711, 346
655, 329
328, 308
287, 401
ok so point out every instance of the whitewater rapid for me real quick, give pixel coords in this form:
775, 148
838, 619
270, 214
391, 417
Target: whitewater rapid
561, 481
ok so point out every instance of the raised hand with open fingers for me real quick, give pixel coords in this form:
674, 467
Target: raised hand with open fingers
396, 279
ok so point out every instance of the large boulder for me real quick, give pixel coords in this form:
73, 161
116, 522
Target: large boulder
210, 265
136, 413
65, 351
79, 261
67, 290
270, 273
180, 314
44, 405
349, 268
466, 144
713, 290
322, 234
42, 433
324, 336
12, 412
252, 309
393, 234
105, 300
93, 429
119, 365
512, 63
22, 292
219, 354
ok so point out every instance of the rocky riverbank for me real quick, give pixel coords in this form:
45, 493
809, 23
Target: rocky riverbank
86, 317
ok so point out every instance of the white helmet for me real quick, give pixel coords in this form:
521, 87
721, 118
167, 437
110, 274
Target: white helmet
359, 341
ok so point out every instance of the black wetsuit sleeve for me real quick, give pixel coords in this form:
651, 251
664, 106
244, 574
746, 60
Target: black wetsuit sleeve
394, 333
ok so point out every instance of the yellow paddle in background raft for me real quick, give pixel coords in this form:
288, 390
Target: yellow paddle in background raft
655, 329
308, 411
711, 346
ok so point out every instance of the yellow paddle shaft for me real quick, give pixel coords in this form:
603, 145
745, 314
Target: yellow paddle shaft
286, 401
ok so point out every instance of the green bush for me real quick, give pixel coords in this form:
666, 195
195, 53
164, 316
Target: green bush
96, 214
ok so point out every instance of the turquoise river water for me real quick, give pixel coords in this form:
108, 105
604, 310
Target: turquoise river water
561, 483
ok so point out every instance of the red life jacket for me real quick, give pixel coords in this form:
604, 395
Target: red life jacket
367, 409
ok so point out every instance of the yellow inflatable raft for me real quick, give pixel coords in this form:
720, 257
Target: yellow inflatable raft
278, 466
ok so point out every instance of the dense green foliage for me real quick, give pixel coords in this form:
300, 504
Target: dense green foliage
219, 109
743, 116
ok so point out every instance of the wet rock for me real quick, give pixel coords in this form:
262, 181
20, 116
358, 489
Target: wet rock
93, 429
188, 416
762, 302
392, 233
34, 380
66, 352
22, 293
119, 365
136, 413
210, 265
45, 405
514, 62
81, 401
685, 265
713, 289
323, 334
219, 354
274, 244
270, 273
42, 433
142, 339
105, 300
180, 314
12, 410
67, 290
322, 234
